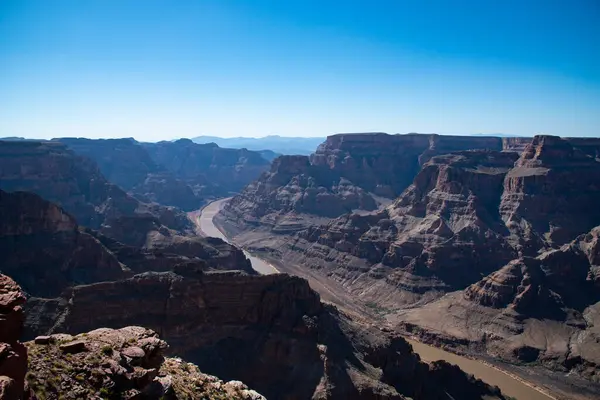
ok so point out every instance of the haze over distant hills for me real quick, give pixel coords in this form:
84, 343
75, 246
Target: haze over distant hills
278, 144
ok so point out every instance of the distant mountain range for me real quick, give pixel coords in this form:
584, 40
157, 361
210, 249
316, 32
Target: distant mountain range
277, 144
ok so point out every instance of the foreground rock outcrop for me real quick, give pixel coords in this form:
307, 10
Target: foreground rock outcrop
101, 364
120, 363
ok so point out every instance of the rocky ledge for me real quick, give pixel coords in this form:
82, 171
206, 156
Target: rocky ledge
126, 363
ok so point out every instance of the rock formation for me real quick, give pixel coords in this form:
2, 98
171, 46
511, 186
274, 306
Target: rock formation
346, 173
164, 188
551, 195
588, 145
52, 171
516, 144
36, 237
294, 187
491, 249
181, 174
191, 174
541, 310
521, 284
43, 248
271, 332
386, 164
13, 354
123, 162
446, 219
479, 209
209, 170
104, 363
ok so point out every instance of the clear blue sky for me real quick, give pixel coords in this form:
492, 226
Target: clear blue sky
164, 69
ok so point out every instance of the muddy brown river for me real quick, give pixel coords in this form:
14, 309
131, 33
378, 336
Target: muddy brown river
509, 385
206, 225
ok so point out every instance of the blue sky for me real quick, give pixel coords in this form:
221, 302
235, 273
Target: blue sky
163, 69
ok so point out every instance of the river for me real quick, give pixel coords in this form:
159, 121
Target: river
509, 385
205, 222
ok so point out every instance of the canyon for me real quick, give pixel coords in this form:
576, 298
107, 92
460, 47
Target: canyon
94, 260
486, 246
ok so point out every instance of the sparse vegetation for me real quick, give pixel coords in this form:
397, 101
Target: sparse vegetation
379, 310
105, 393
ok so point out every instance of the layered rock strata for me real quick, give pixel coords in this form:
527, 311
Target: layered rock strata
347, 172
43, 248
209, 170
75, 183
492, 248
